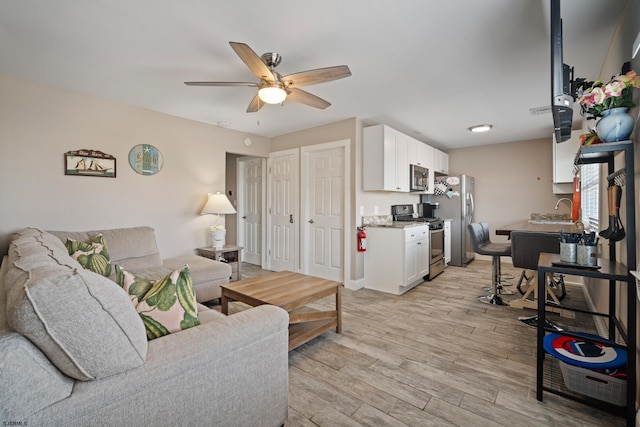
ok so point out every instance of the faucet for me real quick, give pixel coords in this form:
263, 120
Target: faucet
568, 200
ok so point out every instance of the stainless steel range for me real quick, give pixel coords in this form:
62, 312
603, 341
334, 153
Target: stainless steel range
404, 213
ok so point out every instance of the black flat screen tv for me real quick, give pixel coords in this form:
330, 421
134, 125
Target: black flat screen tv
561, 76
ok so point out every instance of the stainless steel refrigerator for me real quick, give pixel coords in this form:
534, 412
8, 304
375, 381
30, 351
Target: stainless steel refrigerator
457, 204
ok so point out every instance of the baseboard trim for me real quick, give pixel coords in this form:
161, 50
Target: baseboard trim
355, 284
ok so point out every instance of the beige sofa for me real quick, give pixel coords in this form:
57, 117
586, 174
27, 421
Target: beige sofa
73, 351
135, 249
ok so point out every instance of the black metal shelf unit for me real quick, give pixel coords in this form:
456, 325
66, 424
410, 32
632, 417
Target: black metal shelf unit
609, 270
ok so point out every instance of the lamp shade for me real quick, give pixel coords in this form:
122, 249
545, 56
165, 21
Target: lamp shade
218, 204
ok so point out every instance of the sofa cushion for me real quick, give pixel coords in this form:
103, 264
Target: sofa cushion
92, 255
29, 381
83, 322
165, 306
202, 269
132, 248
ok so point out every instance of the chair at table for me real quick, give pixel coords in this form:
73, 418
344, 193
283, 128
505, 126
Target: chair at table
482, 244
526, 247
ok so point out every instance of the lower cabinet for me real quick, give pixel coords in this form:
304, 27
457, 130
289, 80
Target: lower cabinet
416, 259
397, 259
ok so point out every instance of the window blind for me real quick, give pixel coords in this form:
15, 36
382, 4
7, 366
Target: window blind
590, 196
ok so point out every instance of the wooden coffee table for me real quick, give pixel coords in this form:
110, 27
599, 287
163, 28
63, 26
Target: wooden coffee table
292, 292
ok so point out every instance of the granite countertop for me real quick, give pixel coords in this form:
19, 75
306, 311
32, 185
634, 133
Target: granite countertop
397, 224
529, 226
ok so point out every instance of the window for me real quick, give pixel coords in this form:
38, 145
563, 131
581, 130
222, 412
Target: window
590, 196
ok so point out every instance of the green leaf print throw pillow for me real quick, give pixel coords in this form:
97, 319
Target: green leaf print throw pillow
165, 306
92, 255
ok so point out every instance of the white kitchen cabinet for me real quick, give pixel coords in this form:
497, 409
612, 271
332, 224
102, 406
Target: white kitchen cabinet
385, 159
416, 254
441, 162
420, 154
397, 259
447, 241
564, 155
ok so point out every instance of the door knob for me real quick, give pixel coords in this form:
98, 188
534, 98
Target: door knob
291, 218
244, 217
310, 221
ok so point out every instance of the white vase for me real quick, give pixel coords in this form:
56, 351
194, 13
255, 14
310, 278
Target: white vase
615, 125
217, 238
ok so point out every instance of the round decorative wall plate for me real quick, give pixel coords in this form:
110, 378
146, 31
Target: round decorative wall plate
145, 159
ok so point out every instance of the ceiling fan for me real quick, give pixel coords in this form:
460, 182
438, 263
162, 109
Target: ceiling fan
274, 88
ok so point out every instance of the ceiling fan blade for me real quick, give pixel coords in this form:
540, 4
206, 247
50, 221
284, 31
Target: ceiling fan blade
253, 61
250, 84
319, 75
306, 98
255, 104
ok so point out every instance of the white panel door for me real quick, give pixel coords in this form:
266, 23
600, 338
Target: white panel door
250, 209
283, 234
324, 198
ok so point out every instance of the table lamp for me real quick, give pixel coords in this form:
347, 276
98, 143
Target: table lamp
218, 204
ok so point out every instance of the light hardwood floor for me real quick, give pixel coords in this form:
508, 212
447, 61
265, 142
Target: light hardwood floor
434, 356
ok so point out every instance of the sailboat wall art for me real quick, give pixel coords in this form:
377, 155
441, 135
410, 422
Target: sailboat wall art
89, 163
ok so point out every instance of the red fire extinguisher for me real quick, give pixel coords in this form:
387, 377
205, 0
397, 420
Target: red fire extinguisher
362, 240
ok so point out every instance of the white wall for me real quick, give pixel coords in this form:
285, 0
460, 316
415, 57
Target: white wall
39, 123
620, 52
512, 180
350, 129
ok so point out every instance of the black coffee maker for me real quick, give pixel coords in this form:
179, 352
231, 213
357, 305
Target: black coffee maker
427, 209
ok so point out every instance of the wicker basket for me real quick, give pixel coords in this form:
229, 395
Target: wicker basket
594, 384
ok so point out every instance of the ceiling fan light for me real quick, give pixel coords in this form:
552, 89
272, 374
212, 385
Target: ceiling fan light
272, 93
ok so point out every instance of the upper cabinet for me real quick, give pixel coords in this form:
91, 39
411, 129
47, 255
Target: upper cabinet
441, 162
387, 154
385, 159
422, 154
564, 154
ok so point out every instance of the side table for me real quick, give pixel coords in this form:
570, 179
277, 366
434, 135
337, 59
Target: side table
230, 254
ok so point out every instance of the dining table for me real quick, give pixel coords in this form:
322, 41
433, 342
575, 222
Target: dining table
548, 227
529, 297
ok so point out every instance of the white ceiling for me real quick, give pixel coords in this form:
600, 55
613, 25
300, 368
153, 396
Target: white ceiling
428, 68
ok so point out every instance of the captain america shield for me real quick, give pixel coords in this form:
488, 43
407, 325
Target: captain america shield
584, 352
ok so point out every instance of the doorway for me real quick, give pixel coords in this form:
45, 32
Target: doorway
283, 212
294, 210
325, 201
251, 207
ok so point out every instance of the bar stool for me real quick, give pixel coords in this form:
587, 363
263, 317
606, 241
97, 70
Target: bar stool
503, 279
483, 245
526, 247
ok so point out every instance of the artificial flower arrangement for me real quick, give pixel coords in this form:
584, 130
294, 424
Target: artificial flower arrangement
217, 227
617, 93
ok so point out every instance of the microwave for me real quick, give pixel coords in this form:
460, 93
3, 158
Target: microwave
419, 178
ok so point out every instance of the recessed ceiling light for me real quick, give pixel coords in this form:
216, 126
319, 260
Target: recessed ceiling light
481, 128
